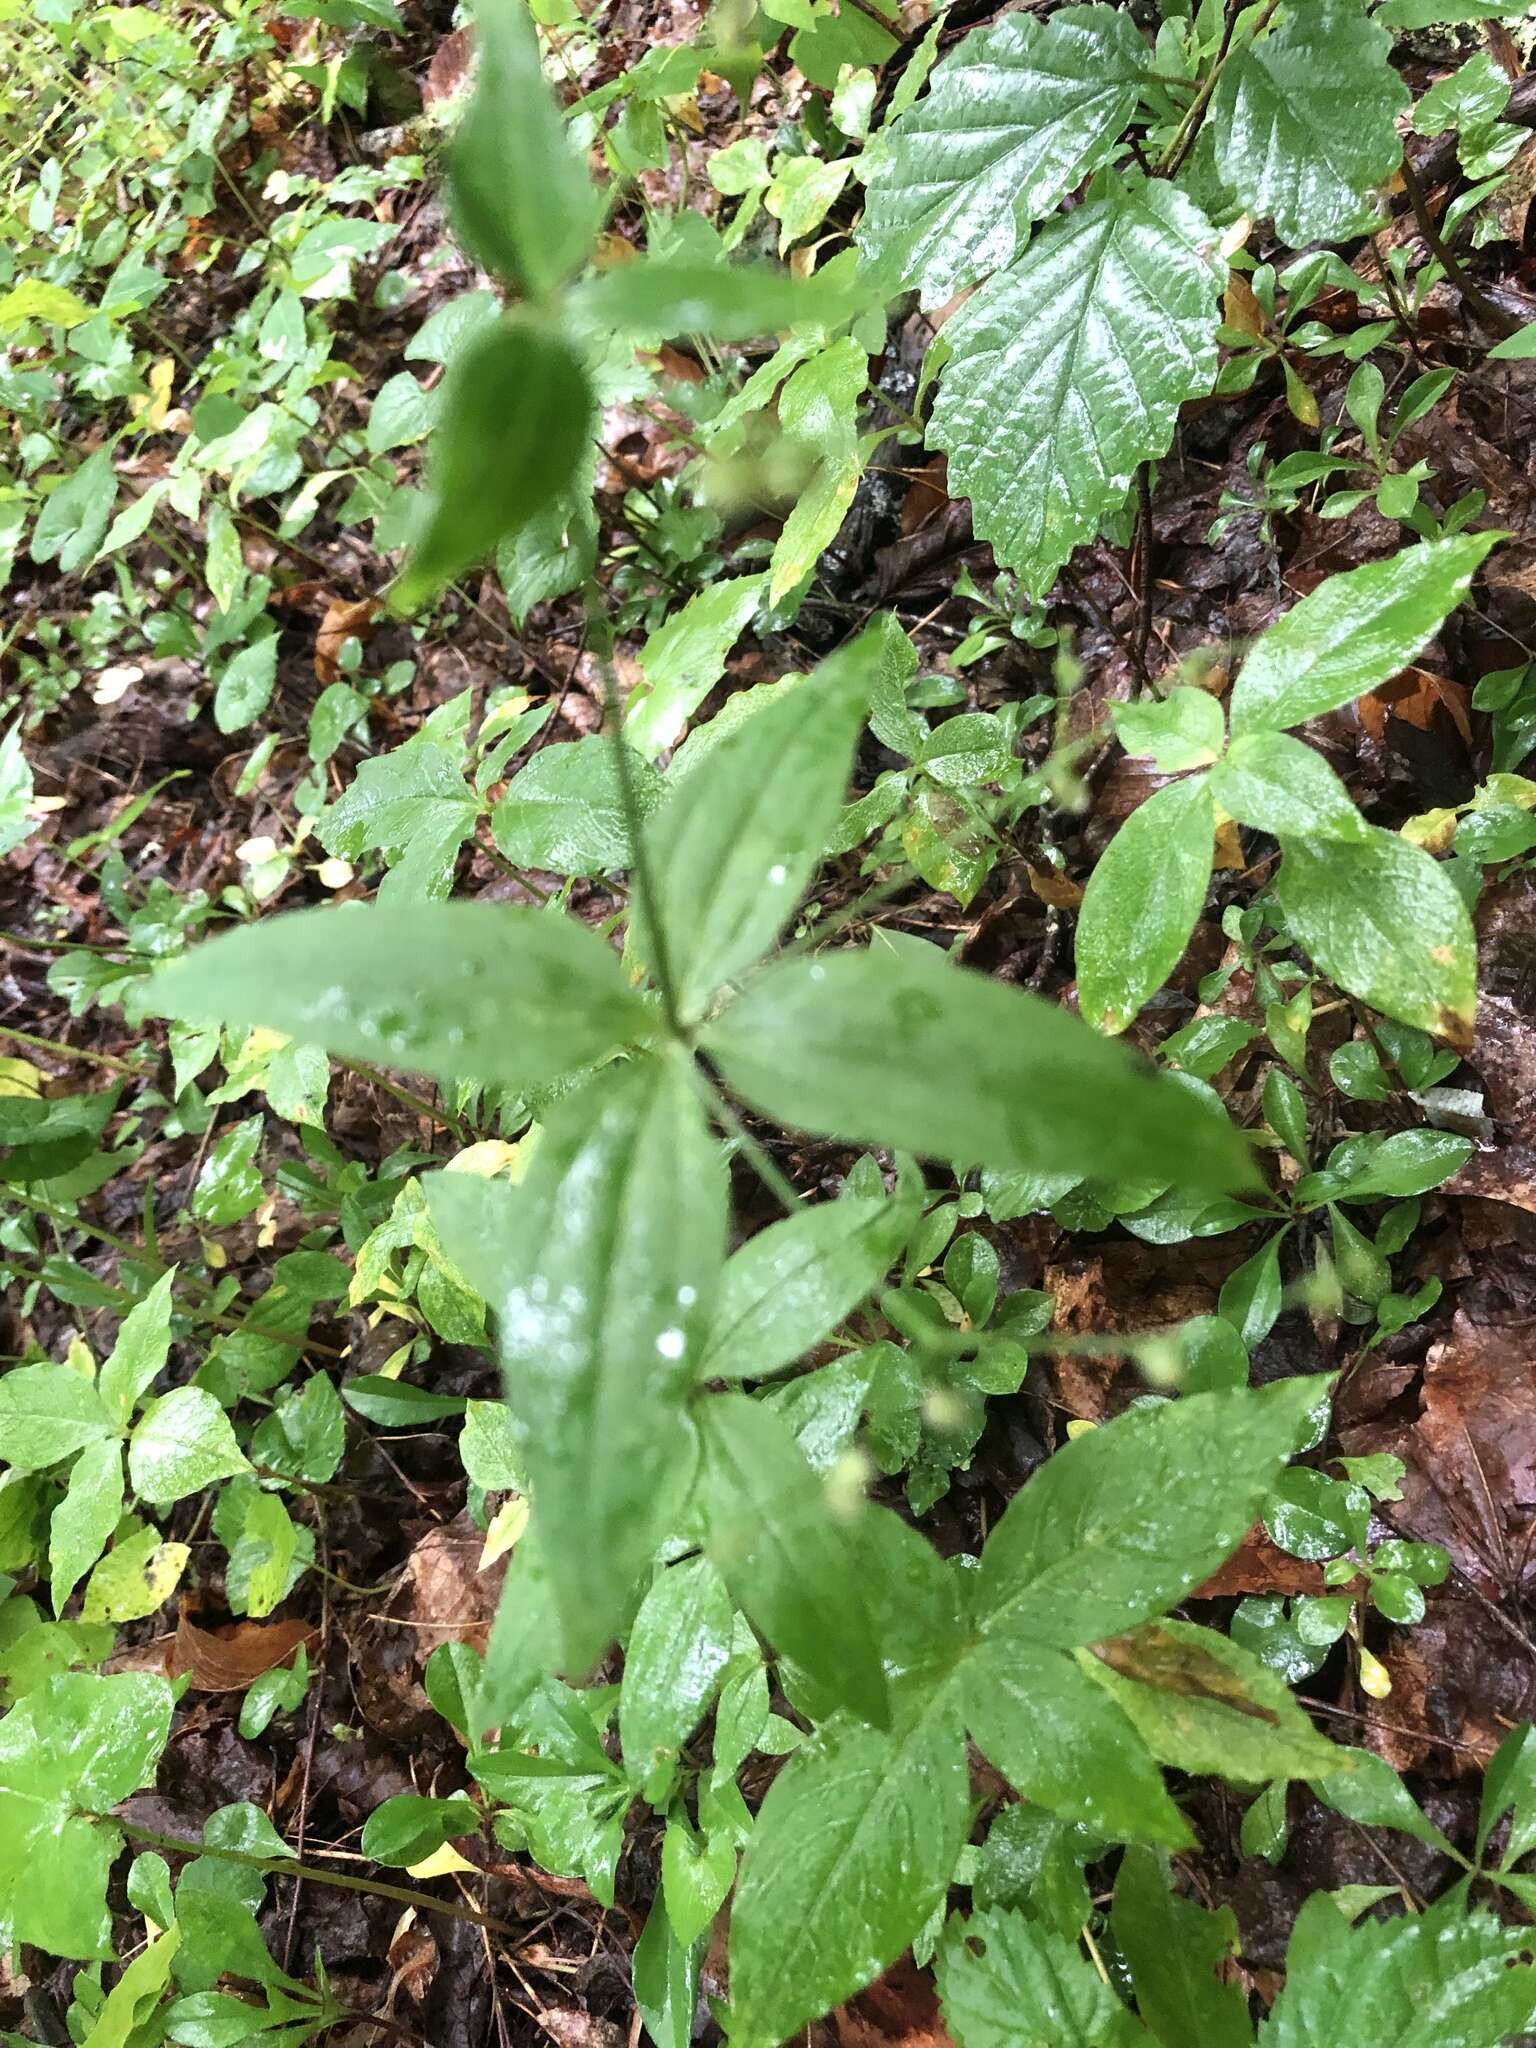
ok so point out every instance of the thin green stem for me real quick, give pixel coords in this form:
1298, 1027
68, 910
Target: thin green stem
282, 1866
757, 1154
73, 1052
1184, 140
646, 893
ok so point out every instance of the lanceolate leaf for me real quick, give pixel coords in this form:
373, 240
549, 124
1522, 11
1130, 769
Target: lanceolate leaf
1069, 369
883, 1048
733, 850
522, 199
789, 1561
1384, 921
1012, 121
1305, 120
1174, 1949
606, 1289
1353, 632
794, 1282
854, 1847
1062, 1742
517, 413
488, 991
1142, 901
1120, 1524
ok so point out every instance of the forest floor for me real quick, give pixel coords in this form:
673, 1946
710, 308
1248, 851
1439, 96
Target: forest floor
1453, 1395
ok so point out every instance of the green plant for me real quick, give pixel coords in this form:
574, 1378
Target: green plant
707, 1419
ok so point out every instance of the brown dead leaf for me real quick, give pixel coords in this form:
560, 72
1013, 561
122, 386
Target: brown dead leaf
1229, 848
1459, 1684
343, 621
927, 495
1240, 309
1414, 697
1507, 1175
1059, 891
1512, 202
447, 1598
900, 2011
449, 71
231, 1659
1261, 1567
576, 2029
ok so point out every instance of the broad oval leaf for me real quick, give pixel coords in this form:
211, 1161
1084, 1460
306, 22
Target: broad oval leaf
1384, 921
565, 811
517, 415
1119, 1525
1353, 633
789, 1560
1142, 902
605, 1284
1068, 370
1305, 120
882, 1048
733, 850
1284, 787
1013, 120
485, 991
854, 1848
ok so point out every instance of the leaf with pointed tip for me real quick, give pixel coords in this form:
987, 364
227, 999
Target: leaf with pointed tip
1122, 1523
1142, 902
523, 201
1353, 633
905, 1049
786, 1288
481, 991
789, 1561
1305, 120
1068, 370
1386, 922
1017, 117
601, 1302
733, 850
1175, 1949
854, 1848
1063, 1743
517, 415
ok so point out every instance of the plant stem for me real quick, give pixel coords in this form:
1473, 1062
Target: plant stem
282, 1866
757, 1154
1184, 141
1491, 315
73, 1052
438, 1114
629, 799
